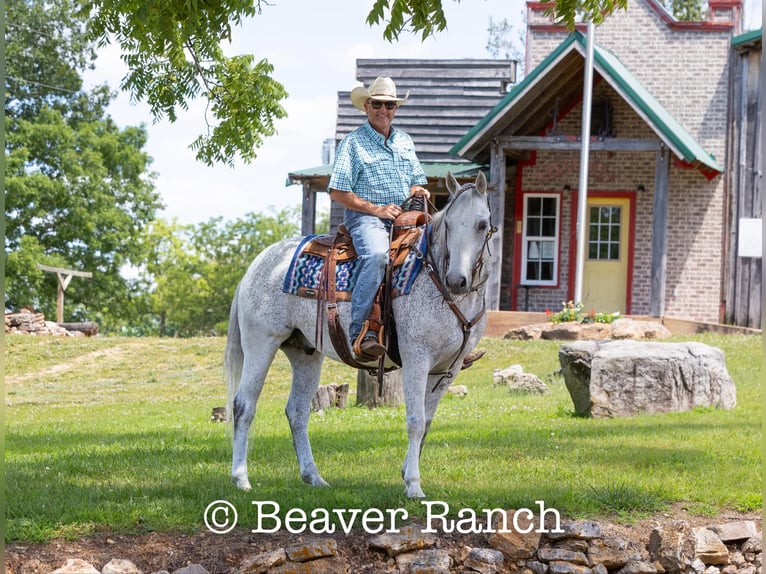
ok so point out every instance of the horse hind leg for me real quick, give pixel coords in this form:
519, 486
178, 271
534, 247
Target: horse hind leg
256, 362
307, 369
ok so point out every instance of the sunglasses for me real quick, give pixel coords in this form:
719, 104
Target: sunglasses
376, 105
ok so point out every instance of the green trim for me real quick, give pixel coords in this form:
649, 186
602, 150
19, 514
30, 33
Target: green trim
747, 37
432, 170
664, 124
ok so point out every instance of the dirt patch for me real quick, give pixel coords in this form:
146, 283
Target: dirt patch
219, 554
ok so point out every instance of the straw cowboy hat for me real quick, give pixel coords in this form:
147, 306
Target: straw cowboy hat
382, 88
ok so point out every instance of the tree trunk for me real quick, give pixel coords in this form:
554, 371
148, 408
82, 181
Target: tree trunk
367, 389
88, 328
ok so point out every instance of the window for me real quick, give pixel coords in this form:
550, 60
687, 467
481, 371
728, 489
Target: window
540, 242
604, 233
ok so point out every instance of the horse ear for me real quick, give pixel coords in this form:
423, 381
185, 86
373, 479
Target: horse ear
481, 183
452, 185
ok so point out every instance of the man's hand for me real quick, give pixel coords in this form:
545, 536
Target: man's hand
390, 211
420, 190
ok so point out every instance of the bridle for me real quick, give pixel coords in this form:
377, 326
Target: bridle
430, 266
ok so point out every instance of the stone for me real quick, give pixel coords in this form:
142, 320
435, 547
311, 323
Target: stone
580, 529
754, 544
517, 380
191, 569
557, 567
712, 570
537, 567
672, 546
698, 566
458, 390
120, 566
76, 566
708, 547
572, 544
484, 560
430, 561
633, 329
319, 566
626, 378
260, 563
408, 539
637, 567
514, 545
548, 554
573, 331
312, 549
600, 569
615, 552
732, 531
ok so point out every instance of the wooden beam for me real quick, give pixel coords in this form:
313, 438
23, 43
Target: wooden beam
659, 234
497, 205
64, 276
573, 143
66, 271
308, 209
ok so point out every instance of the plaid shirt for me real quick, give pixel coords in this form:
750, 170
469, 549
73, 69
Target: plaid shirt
377, 170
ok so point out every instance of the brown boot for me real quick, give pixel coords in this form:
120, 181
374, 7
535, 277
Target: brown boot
368, 349
472, 357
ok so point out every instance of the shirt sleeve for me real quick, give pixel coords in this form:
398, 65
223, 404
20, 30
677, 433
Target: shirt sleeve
342, 169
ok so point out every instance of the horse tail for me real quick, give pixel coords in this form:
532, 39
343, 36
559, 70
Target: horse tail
233, 356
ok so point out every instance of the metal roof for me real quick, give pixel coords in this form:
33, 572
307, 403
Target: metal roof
752, 37
523, 111
433, 170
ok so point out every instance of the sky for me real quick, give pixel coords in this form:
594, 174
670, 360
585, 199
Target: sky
313, 47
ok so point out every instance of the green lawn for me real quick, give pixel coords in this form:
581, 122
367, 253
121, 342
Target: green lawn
115, 434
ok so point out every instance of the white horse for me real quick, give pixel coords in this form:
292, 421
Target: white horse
438, 323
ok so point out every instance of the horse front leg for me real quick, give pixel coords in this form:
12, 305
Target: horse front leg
414, 383
307, 371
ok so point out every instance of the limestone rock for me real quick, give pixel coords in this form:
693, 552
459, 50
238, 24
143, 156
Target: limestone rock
76, 566
615, 552
319, 566
192, 569
557, 567
514, 545
637, 567
625, 378
407, 539
731, 531
672, 546
581, 529
120, 566
312, 549
708, 547
548, 554
433, 561
484, 560
260, 563
458, 390
517, 380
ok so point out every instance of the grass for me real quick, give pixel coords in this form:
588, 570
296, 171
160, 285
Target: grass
115, 434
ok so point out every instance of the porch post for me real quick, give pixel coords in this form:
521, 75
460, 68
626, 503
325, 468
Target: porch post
659, 233
308, 209
497, 205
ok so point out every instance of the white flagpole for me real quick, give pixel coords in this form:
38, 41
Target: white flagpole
582, 195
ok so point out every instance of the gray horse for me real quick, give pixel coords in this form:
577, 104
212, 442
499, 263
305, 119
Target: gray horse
438, 323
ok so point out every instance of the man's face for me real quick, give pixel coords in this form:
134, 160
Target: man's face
380, 114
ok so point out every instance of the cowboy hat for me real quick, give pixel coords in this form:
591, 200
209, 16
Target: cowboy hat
382, 89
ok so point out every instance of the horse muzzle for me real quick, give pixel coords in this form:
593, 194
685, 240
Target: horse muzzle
458, 283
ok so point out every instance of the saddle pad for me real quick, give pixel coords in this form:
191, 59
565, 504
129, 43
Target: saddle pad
302, 276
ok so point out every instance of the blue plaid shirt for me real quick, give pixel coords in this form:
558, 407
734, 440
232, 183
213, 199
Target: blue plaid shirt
377, 170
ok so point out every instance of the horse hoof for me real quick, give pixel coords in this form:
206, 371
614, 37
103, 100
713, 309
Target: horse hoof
242, 483
315, 480
414, 492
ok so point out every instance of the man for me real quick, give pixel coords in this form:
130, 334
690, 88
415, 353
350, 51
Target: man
375, 170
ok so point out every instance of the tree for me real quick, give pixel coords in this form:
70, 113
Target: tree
173, 51
506, 42
78, 194
195, 269
685, 10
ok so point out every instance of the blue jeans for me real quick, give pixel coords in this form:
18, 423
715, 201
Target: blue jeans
370, 235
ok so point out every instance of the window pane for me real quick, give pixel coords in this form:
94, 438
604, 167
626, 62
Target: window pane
532, 271
614, 251
533, 227
593, 251
615, 216
546, 271
549, 207
548, 250
533, 250
549, 227
614, 234
534, 205
604, 233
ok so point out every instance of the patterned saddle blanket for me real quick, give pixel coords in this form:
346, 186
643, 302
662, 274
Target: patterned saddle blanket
303, 276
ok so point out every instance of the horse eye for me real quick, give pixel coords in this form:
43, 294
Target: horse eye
482, 225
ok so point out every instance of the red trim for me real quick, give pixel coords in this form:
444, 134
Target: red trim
629, 195
708, 172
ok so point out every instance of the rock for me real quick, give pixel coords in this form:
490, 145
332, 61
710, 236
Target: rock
120, 566
732, 531
407, 539
754, 544
549, 554
329, 396
672, 546
484, 560
622, 328
708, 547
76, 566
625, 378
712, 570
615, 552
572, 544
537, 567
458, 390
318, 566
517, 380
600, 569
557, 567
191, 569
572, 331
637, 567
632, 329
260, 563
514, 545
312, 550
433, 561
581, 529
527, 332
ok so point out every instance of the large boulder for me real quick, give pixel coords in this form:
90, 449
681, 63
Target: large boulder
626, 378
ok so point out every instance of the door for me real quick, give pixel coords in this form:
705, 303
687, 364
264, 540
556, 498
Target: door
605, 273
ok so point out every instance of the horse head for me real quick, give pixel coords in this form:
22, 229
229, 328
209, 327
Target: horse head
461, 231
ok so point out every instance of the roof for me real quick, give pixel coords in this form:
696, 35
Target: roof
523, 111
433, 170
447, 98
753, 37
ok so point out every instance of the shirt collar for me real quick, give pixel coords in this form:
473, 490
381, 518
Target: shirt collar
375, 134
